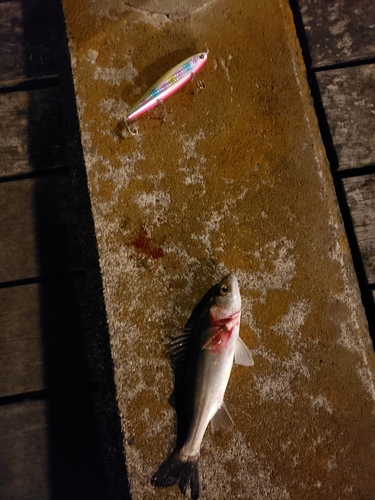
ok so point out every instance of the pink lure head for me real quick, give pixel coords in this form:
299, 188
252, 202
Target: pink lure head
198, 61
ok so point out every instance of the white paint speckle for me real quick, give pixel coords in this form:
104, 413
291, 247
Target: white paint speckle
191, 163
116, 76
332, 464
111, 74
149, 201
295, 318
275, 387
254, 476
321, 402
279, 253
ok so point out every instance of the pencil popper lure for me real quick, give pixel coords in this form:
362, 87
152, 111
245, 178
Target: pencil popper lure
167, 85
202, 357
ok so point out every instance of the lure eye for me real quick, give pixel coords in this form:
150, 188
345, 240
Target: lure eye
223, 290
201, 56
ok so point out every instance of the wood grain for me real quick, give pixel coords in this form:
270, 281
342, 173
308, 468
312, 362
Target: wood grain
31, 131
38, 232
24, 451
360, 193
348, 97
26, 48
45, 336
12, 61
338, 30
50, 449
21, 350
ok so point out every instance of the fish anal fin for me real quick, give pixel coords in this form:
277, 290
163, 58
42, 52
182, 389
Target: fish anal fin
221, 419
242, 355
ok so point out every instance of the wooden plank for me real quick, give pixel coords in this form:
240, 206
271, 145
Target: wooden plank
21, 350
12, 60
45, 336
38, 232
26, 48
31, 131
348, 97
360, 193
338, 30
24, 451
51, 449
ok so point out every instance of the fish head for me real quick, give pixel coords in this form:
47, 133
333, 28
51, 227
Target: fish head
227, 300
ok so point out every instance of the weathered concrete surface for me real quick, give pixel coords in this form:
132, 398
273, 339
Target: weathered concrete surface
234, 177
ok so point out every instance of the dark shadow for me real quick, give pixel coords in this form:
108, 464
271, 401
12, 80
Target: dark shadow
338, 175
185, 352
113, 454
83, 455
182, 397
39, 55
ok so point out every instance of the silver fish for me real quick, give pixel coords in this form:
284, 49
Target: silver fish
202, 357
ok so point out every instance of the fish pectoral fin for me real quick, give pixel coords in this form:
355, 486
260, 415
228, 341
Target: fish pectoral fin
221, 419
242, 355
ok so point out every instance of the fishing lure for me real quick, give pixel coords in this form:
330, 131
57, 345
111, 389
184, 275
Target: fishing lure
167, 85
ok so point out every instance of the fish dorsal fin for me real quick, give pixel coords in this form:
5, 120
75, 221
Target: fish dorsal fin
242, 355
179, 346
221, 419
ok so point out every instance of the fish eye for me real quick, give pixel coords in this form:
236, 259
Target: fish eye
223, 290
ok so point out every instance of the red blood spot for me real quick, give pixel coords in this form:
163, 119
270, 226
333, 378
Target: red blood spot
144, 243
223, 330
219, 340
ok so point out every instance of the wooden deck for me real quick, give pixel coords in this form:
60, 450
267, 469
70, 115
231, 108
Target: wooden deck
337, 39
50, 414
53, 439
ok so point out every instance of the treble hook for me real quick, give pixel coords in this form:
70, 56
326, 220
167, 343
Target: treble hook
199, 83
122, 125
135, 132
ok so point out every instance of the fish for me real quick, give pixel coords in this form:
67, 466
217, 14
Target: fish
202, 357
167, 85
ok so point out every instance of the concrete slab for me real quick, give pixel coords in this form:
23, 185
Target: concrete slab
233, 178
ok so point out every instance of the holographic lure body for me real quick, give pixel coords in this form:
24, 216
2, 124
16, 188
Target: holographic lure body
168, 84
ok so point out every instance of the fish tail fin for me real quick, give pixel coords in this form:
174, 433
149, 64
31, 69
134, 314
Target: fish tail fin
176, 470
